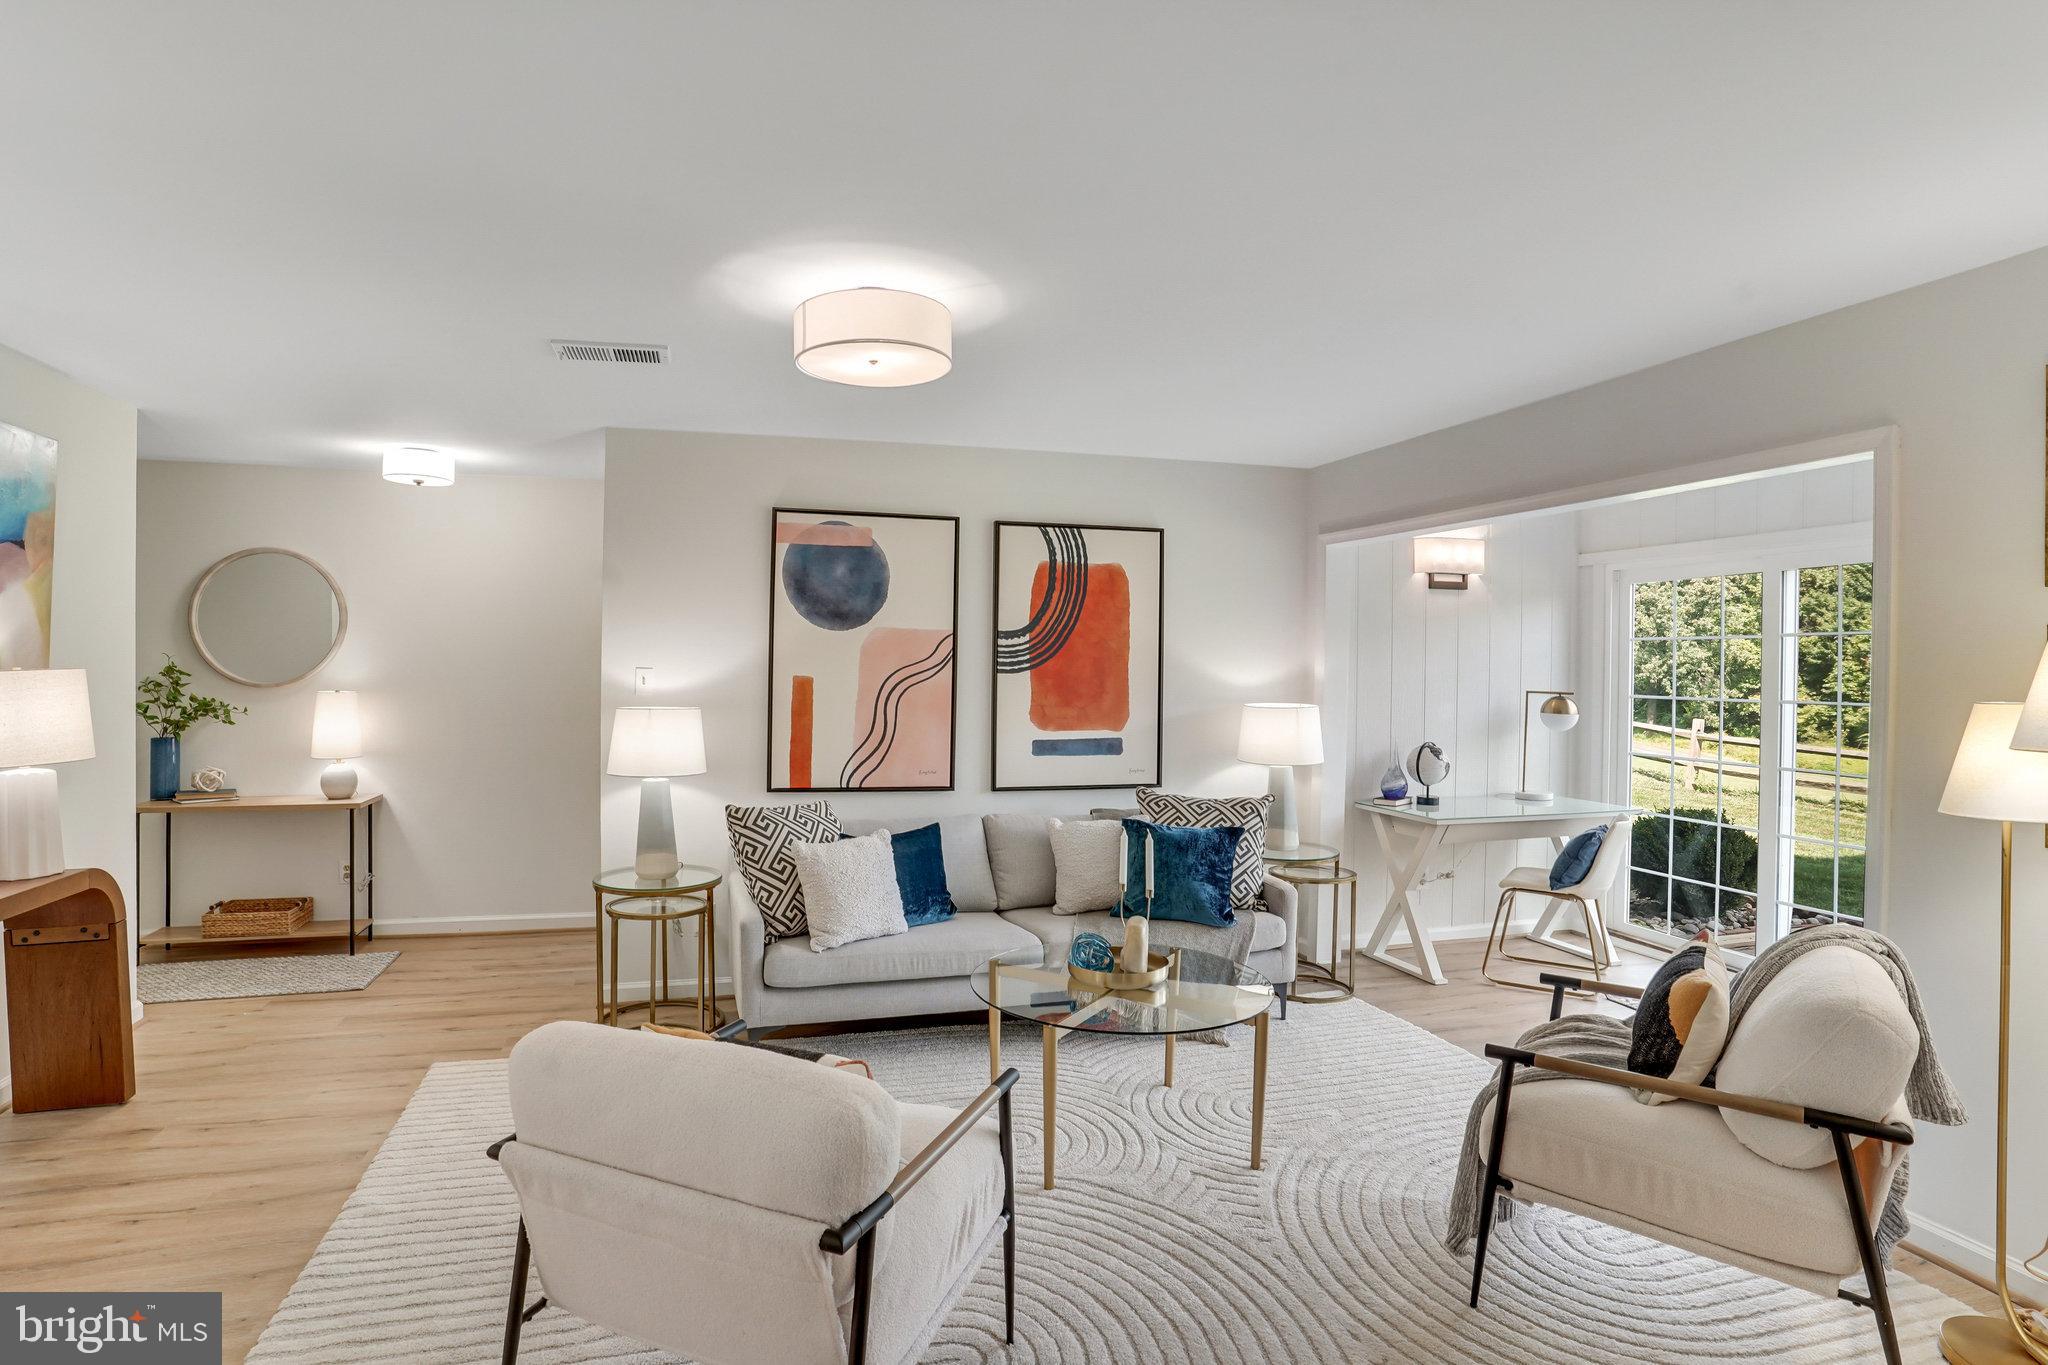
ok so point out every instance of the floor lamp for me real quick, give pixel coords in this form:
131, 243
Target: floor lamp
1994, 779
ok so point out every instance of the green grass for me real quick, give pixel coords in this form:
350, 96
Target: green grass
1703, 793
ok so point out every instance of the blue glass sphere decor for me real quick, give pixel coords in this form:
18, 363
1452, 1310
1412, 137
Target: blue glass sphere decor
1091, 953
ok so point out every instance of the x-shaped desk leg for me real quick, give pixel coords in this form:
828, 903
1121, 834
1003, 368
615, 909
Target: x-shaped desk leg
1405, 874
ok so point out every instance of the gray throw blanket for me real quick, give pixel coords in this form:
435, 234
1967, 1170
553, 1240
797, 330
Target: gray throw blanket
1232, 942
1604, 1041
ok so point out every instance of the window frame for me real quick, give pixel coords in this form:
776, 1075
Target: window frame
1772, 555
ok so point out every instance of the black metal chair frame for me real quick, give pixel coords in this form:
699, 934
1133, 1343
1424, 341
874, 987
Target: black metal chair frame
1839, 1127
855, 1234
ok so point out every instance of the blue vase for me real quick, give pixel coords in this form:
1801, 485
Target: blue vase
163, 767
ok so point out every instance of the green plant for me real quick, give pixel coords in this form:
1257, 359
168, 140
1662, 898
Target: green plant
169, 710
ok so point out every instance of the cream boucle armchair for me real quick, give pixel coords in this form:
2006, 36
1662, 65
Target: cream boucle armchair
703, 1197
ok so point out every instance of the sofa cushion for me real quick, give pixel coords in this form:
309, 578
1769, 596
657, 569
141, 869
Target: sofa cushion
1056, 931
762, 837
850, 890
953, 947
963, 845
1674, 1166
1681, 1022
1084, 855
1246, 813
1020, 859
1831, 1031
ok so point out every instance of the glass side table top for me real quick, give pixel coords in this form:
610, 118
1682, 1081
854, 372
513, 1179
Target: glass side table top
1316, 874
1302, 853
624, 881
1209, 993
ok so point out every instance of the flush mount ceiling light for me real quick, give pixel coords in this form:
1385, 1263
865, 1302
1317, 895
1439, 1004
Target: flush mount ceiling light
875, 338
420, 466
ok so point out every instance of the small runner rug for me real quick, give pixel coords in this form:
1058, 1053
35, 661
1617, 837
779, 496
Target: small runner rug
163, 983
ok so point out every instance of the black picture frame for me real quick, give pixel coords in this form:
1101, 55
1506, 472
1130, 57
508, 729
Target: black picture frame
1158, 774
775, 516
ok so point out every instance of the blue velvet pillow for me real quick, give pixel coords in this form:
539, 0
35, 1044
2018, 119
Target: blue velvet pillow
1190, 872
1576, 860
920, 875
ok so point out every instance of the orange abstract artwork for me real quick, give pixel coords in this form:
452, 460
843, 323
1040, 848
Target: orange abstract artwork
1086, 684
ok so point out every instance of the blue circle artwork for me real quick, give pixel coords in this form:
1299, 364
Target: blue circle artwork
836, 587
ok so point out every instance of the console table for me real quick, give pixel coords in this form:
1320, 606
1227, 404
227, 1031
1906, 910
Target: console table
1408, 835
70, 1038
171, 935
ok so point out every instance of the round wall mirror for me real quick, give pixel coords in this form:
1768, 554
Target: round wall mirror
267, 617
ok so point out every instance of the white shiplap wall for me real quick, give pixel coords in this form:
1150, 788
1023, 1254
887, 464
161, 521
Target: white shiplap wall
1452, 667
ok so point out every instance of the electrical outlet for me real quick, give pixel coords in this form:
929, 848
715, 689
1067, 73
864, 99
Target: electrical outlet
643, 681
344, 870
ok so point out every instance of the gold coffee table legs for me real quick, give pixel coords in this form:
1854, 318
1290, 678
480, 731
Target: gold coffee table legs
1052, 1072
1049, 1053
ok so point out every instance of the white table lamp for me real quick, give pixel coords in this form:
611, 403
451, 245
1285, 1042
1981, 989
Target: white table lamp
1996, 779
655, 743
337, 735
1282, 735
1558, 714
45, 717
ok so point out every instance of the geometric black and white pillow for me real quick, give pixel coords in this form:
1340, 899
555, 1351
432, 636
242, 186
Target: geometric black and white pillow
1247, 869
762, 837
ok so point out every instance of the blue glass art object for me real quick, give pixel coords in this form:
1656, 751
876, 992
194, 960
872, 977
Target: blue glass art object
1393, 782
1091, 952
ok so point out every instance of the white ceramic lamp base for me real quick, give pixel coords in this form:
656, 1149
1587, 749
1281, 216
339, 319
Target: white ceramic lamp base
1283, 825
655, 858
337, 781
31, 828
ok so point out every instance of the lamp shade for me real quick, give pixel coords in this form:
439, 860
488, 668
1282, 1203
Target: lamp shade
875, 338
1280, 734
337, 726
1992, 780
657, 741
1450, 555
1558, 713
420, 466
2032, 730
45, 717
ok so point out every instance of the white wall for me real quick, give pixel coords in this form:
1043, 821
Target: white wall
473, 643
1957, 366
686, 592
92, 611
1453, 667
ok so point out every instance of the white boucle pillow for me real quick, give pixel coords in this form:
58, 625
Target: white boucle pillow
1084, 854
1830, 1032
850, 890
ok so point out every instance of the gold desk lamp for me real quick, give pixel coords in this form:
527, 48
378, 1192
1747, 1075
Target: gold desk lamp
1999, 776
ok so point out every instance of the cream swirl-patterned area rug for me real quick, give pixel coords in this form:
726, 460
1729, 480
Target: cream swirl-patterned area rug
1159, 1244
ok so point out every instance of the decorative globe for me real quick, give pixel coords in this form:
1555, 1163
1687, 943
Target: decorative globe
1092, 953
1429, 765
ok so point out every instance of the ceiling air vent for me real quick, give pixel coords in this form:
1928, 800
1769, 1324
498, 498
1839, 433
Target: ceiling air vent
611, 352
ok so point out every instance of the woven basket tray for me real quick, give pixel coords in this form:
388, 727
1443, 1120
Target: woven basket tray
245, 918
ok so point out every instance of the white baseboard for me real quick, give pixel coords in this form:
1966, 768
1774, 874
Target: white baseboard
479, 924
1939, 1243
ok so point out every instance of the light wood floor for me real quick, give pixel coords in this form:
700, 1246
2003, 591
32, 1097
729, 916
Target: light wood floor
253, 1119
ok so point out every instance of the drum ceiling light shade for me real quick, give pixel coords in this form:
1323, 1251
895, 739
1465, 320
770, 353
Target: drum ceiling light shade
874, 338
420, 466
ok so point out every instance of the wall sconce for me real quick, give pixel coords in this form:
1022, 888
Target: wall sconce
1450, 561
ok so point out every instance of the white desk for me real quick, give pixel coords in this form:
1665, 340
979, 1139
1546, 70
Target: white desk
1409, 835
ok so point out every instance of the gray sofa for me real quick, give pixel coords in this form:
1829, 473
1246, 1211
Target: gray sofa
999, 869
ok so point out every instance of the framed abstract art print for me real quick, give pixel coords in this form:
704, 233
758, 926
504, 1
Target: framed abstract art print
863, 612
1078, 620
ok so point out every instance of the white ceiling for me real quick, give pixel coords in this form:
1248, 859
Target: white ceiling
1269, 232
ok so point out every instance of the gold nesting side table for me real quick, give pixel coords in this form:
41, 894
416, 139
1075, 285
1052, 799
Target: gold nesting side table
624, 897
1306, 868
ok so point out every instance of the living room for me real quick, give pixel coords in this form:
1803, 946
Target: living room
1101, 654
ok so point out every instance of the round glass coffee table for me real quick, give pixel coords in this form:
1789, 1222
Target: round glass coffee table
1202, 991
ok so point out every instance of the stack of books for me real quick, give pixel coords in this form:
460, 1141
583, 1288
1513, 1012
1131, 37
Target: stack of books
192, 796
1395, 802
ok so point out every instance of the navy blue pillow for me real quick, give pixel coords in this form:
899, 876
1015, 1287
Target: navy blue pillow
1576, 860
920, 875
1190, 872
